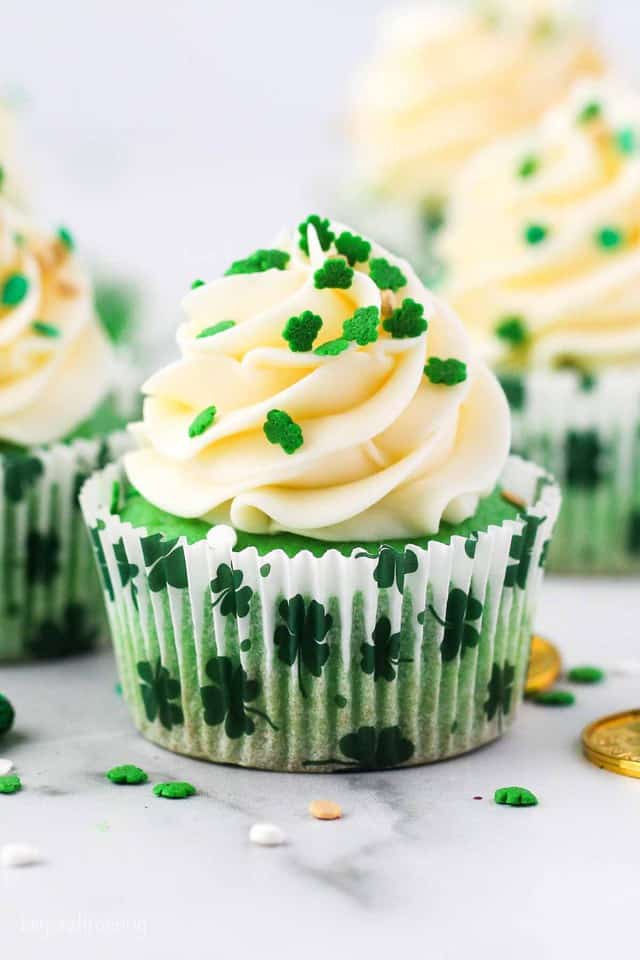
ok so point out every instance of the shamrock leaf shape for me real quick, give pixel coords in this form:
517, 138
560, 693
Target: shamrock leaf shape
158, 689
301, 638
20, 473
383, 657
460, 634
101, 559
234, 599
584, 453
169, 567
42, 556
370, 749
522, 551
227, 698
500, 690
128, 571
392, 566
77, 633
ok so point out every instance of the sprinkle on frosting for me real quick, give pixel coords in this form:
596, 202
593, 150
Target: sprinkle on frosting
300, 332
15, 289
66, 238
528, 166
362, 328
202, 422
446, 372
45, 329
535, 234
385, 276
610, 238
407, 321
197, 283
334, 275
279, 428
513, 330
216, 328
590, 112
332, 348
260, 261
626, 140
353, 247
326, 236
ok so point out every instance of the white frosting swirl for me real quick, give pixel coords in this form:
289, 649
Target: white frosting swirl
11, 164
577, 292
448, 78
386, 453
55, 361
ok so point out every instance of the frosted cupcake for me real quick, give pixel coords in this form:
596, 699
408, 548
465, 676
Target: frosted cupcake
319, 556
56, 412
544, 266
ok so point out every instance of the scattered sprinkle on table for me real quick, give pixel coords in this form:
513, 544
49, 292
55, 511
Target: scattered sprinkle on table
478, 798
554, 698
586, 675
10, 783
128, 773
19, 855
7, 714
176, 790
325, 810
6, 766
266, 835
515, 797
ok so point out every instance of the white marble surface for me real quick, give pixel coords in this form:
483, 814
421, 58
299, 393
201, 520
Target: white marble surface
415, 862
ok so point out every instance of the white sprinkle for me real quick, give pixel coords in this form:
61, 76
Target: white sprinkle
266, 835
19, 855
6, 766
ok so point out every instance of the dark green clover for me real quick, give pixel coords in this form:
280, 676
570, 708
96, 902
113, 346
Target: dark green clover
226, 699
500, 690
158, 689
20, 473
471, 545
584, 456
515, 390
42, 556
301, 638
522, 552
101, 559
633, 538
128, 571
392, 566
460, 633
77, 632
167, 562
383, 657
370, 749
234, 599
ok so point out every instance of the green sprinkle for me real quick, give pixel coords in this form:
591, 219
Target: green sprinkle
216, 328
356, 249
626, 140
332, 348
512, 329
176, 790
10, 784
362, 328
197, 283
407, 321
118, 689
127, 774
202, 422
45, 329
554, 698
529, 166
66, 238
586, 675
280, 429
610, 238
322, 227
447, 372
334, 275
386, 276
536, 233
115, 497
15, 289
515, 797
300, 332
7, 714
590, 112
259, 262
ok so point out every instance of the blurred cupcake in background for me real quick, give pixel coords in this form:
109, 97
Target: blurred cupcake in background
444, 80
543, 254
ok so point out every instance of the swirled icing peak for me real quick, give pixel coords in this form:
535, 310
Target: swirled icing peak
321, 391
544, 238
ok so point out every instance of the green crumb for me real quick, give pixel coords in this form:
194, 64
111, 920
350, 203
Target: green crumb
114, 506
447, 372
127, 774
176, 790
334, 275
356, 249
515, 797
610, 238
362, 328
626, 140
535, 234
7, 714
586, 675
407, 321
197, 283
326, 236
513, 330
554, 698
45, 329
590, 112
14, 290
10, 784
259, 262
202, 422
301, 332
216, 328
528, 166
66, 238
332, 348
386, 276
280, 429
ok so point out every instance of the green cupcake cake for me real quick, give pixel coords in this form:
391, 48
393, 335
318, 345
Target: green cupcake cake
320, 556
58, 414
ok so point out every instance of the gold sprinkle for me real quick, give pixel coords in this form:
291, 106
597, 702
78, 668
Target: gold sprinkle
325, 810
388, 303
513, 499
66, 289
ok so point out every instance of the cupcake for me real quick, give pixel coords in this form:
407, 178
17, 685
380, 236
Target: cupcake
57, 412
319, 557
446, 79
543, 253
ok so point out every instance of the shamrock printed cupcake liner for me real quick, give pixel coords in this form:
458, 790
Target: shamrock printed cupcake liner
50, 596
586, 431
313, 664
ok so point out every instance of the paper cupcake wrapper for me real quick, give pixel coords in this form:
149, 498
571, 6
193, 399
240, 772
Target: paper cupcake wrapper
324, 663
586, 432
50, 596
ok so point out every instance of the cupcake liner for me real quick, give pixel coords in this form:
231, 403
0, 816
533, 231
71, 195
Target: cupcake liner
50, 597
586, 431
313, 664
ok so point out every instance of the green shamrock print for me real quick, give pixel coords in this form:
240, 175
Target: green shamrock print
302, 636
500, 690
471, 545
227, 698
383, 657
128, 571
42, 556
167, 562
158, 689
522, 551
460, 634
233, 598
77, 633
370, 749
20, 474
101, 559
584, 455
392, 566
633, 540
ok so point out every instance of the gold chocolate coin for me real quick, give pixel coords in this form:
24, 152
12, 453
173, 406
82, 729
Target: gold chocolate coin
545, 665
613, 743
